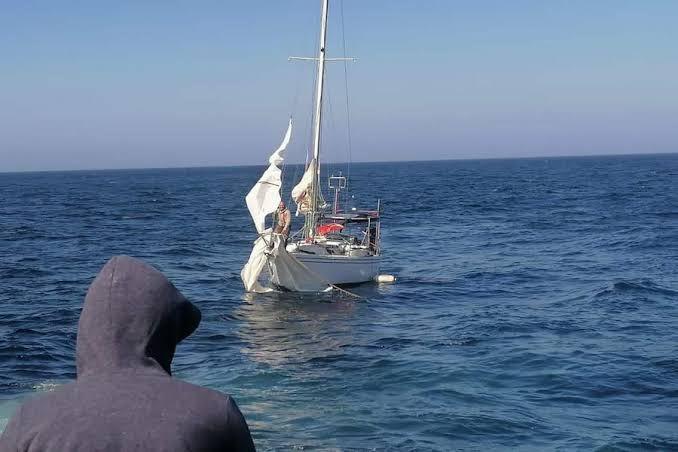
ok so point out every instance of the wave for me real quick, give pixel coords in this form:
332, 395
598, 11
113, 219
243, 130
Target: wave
667, 214
48, 385
645, 286
640, 444
23, 272
186, 251
23, 232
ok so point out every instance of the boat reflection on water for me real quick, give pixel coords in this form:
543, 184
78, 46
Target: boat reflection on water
294, 328
299, 349
286, 328
292, 342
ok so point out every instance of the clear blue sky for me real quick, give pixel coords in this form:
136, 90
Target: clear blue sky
191, 83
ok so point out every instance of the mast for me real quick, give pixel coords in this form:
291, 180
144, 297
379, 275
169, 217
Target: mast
315, 186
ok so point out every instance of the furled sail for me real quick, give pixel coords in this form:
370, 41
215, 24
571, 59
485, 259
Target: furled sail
264, 197
302, 193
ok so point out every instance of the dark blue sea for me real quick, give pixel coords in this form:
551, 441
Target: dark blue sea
536, 305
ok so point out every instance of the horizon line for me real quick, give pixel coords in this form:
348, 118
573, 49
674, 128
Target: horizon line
562, 156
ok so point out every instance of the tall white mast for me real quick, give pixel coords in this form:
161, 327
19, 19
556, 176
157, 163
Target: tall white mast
321, 81
318, 116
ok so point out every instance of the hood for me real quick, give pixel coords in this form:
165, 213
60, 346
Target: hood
133, 318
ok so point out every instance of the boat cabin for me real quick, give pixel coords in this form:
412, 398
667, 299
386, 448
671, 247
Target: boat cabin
342, 233
359, 228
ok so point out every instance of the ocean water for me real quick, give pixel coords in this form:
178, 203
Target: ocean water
536, 306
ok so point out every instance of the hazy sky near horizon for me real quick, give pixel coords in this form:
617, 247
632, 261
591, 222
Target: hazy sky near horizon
181, 83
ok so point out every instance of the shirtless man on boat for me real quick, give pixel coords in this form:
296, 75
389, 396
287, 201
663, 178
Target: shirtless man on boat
284, 220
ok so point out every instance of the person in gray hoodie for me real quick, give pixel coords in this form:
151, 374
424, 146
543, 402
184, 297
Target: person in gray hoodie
124, 397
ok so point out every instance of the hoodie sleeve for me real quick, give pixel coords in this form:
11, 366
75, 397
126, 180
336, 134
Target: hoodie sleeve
238, 432
9, 440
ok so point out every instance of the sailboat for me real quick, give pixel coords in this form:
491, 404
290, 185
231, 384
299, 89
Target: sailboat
335, 246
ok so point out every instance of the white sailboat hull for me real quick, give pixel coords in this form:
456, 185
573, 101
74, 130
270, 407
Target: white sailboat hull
341, 247
341, 269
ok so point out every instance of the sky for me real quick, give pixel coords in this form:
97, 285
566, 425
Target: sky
133, 84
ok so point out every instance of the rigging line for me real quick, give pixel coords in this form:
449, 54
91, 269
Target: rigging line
295, 102
310, 135
348, 114
331, 126
283, 170
347, 292
308, 125
331, 123
307, 138
297, 88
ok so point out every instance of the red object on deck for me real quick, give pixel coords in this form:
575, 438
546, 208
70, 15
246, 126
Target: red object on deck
329, 227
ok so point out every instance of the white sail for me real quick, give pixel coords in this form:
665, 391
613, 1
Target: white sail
269, 248
264, 197
288, 272
302, 193
255, 265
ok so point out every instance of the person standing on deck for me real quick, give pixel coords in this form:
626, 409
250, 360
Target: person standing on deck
284, 218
